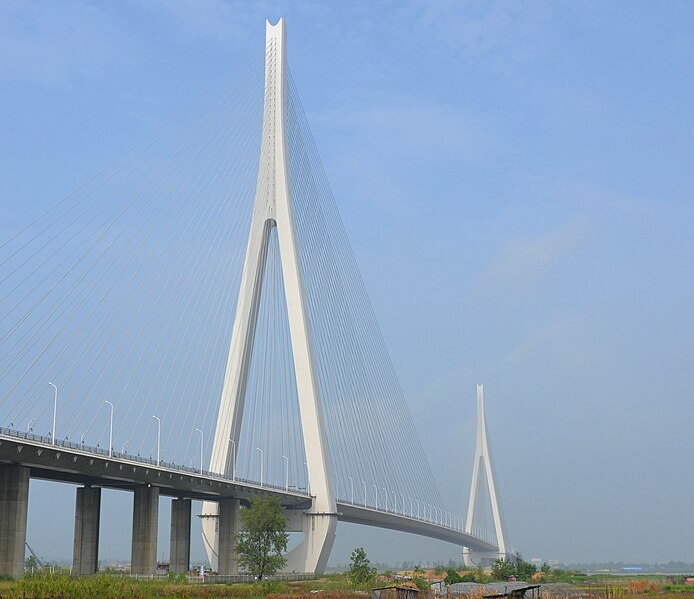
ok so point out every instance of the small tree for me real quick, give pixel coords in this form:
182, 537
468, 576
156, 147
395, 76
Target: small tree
31, 563
264, 537
360, 570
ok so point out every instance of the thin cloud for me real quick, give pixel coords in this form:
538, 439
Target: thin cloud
525, 260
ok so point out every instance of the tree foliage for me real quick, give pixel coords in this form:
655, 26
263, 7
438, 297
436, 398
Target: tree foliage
360, 570
453, 576
514, 566
264, 537
31, 563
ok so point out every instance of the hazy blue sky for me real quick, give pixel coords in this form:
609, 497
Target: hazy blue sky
516, 179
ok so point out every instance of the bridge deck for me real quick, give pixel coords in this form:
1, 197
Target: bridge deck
78, 464
358, 514
91, 466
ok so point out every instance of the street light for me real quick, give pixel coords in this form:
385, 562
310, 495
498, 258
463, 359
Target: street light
262, 459
30, 424
375, 489
351, 486
55, 408
364, 483
110, 433
158, 436
233, 459
201, 451
386, 494
286, 472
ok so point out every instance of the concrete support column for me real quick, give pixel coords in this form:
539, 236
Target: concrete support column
180, 535
14, 504
85, 553
145, 522
229, 524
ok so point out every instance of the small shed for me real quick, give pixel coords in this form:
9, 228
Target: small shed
689, 580
396, 592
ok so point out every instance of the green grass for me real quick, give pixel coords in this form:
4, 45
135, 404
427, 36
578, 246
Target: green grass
105, 586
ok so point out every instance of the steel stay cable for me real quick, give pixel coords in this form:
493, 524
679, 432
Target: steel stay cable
230, 233
162, 128
190, 282
133, 199
111, 244
155, 285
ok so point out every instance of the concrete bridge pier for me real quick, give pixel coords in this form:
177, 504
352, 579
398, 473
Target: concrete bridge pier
85, 553
229, 523
180, 535
145, 522
14, 504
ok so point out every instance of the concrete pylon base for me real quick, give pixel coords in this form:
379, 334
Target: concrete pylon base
311, 555
229, 525
472, 559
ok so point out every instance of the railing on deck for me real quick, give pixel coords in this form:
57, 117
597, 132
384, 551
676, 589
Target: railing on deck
117, 455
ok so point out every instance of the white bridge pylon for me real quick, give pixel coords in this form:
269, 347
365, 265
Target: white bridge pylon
483, 461
273, 209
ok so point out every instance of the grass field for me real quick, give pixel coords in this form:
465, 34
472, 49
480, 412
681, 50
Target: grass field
117, 587
104, 586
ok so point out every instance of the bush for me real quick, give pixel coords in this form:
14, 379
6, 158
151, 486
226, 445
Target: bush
452, 577
643, 585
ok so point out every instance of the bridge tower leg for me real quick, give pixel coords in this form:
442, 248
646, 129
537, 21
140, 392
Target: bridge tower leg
273, 208
483, 460
14, 506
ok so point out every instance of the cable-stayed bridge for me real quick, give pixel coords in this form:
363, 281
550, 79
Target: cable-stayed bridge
191, 322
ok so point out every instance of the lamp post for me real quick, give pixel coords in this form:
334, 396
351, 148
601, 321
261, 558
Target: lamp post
233, 459
262, 459
30, 425
286, 472
55, 409
386, 494
110, 430
351, 486
158, 436
376, 495
201, 450
364, 483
